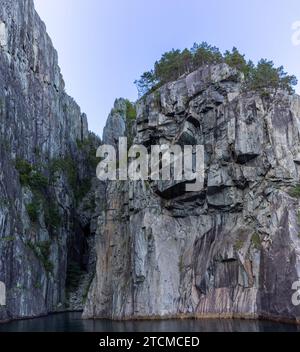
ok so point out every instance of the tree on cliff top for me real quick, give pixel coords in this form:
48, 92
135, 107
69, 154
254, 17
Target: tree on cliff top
265, 76
176, 63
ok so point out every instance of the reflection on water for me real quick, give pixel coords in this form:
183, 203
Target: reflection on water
72, 322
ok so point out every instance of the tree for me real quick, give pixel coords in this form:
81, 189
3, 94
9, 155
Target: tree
265, 76
236, 60
168, 68
146, 83
176, 63
287, 82
206, 54
186, 61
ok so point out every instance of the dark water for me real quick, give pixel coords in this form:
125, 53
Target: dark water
72, 322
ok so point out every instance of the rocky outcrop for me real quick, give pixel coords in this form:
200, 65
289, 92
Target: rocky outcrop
231, 250
116, 123
46, 164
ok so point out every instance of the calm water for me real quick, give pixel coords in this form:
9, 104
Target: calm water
72, 322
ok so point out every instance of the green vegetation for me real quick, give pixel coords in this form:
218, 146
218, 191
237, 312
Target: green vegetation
42, 251
25, 170
82, 145
265, 76
43, 200
65, 165
89, 149
130, 111
92, 158
33, 210
131, 115
176, 63
37, 151
181, 264
83, 189
236, 60
38, 183
68, 166
30, 176
38, 286
71, 171
52, 216
7, 239
256, 241
295, 191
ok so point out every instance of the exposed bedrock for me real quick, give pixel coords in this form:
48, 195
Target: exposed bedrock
46, 171
231, 250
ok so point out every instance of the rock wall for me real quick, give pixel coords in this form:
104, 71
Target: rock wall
231, 250
43, 138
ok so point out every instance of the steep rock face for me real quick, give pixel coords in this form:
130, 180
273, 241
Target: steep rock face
231, 250
43, 137
116, 123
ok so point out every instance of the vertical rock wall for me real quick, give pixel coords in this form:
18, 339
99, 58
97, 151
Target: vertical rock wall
46, 164
231, 250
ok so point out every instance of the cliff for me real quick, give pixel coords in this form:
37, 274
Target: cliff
231, 250
46, 168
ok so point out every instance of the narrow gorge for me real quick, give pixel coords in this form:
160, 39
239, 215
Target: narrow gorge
144, 249
48, 202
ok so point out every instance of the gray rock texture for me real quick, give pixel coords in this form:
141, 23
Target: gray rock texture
231, 250
46, 164
116, 123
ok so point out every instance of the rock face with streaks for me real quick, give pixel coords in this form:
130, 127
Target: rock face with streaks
230, 250
43, 137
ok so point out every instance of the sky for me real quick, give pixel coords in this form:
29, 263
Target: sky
104, 45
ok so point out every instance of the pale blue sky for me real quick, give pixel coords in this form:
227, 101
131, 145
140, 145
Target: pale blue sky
104, 45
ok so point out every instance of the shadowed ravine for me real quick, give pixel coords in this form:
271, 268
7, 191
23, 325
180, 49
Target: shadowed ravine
146, 249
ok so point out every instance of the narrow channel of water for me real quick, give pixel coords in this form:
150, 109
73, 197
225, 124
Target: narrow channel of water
72, 322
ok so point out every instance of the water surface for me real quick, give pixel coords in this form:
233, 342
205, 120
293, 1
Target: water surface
72, 322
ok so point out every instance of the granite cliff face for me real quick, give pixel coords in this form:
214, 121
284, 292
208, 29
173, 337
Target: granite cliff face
43, 138
232, 250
